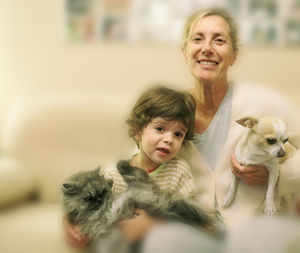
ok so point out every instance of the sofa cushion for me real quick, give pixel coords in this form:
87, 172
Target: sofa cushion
33, 228
56, 135
16, 182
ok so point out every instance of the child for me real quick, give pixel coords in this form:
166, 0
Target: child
160, 122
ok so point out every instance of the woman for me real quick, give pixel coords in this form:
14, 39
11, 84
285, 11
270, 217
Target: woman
210, 47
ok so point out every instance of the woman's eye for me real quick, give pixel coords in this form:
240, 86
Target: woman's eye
197, 39
160, 129
220, 41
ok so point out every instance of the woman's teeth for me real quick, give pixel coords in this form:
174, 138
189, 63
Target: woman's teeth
208, 62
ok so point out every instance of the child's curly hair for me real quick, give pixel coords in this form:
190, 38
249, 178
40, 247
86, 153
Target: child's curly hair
163, 102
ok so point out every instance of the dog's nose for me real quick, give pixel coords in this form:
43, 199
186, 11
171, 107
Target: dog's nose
281, 153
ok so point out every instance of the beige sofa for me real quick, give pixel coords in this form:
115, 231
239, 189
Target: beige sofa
44, 140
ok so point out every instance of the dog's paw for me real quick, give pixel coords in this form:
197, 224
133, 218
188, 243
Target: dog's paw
270, 209
227, 201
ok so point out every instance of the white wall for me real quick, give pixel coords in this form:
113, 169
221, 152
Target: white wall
35, 59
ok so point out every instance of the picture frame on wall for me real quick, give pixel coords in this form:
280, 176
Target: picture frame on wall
261, 22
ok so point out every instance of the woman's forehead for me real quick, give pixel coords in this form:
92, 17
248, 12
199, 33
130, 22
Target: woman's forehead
210, 24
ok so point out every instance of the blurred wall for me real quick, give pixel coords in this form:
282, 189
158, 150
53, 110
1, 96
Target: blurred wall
36, 59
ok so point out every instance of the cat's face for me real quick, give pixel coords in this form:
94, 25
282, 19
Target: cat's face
85, 192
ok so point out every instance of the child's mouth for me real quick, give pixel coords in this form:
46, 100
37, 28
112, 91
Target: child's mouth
163, 151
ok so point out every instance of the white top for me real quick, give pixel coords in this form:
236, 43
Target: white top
210, 143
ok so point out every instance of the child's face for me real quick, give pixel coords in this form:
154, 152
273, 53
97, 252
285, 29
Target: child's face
160, 141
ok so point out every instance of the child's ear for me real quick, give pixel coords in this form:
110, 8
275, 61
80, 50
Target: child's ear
137, 137
183, 50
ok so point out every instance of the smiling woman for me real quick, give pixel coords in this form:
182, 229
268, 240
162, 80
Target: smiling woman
210, 48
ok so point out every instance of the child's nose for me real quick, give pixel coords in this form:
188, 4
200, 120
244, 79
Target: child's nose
168, 137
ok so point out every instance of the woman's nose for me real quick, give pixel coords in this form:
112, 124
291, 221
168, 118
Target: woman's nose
206, 48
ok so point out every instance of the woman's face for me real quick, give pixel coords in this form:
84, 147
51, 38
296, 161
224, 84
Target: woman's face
208, 51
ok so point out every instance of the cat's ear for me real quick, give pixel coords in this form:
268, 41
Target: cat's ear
97, 170
70, 188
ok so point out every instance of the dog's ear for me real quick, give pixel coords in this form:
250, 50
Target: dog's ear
249, 122
70, 188
294, 139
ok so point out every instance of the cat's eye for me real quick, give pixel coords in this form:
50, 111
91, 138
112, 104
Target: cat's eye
285, 140
271, 141
103, 193
87, 198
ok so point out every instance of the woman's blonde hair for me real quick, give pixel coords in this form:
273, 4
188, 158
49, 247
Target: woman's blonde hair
212, 12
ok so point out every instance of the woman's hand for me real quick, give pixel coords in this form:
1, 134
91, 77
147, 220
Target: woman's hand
73, 236
250, 174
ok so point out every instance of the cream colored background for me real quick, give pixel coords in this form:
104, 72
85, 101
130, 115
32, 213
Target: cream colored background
36, 59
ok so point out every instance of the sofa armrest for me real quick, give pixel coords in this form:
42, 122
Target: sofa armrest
16, 182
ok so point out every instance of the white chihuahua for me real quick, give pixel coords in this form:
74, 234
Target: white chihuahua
262, 143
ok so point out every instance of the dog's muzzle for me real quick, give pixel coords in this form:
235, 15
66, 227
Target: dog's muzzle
281, 153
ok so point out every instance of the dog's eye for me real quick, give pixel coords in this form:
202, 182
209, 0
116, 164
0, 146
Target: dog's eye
271, 141
285, 140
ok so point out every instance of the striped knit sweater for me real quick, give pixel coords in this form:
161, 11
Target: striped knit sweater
173, 176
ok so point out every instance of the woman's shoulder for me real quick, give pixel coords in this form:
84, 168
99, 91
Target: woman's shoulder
260, 100
250, 91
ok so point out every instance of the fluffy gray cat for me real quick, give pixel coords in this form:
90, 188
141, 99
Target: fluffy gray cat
88, 201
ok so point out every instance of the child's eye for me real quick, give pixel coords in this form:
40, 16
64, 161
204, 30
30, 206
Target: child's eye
160, 129
179, 134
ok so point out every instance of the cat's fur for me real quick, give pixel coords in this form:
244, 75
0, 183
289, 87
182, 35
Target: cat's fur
88, 201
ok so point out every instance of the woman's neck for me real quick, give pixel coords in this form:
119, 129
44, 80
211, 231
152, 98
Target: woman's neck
209, 96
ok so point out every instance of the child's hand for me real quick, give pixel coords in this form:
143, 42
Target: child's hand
136, 228
250, 174
73, 236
